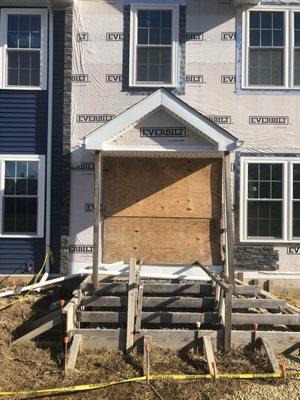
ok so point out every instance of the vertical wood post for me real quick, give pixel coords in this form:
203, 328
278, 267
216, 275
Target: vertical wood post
229, 227
97, 249
228, 319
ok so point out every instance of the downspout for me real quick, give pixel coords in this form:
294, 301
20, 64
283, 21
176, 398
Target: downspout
49, 132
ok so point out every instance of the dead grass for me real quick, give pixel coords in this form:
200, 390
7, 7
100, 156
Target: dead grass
23, 367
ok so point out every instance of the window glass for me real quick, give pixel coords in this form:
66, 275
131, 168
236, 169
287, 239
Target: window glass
264, 200
20, 197
154, 46
266, 48
23, 50
296, 200
23, 68
24, 31
297, 48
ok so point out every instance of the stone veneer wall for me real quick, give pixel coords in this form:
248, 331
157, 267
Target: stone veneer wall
66, 156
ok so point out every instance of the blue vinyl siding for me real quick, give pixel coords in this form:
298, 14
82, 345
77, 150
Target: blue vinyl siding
23, 130
23, 122
16, 253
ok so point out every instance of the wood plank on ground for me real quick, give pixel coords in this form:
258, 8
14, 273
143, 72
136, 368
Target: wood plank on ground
40, 326
74, 350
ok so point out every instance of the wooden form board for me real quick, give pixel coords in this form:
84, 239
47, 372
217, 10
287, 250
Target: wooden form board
183, 339
165, 211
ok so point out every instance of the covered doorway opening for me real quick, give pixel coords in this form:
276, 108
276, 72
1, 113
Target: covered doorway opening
162, 210
158, 184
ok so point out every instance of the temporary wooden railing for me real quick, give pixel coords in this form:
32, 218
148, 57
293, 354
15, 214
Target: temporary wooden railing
224, 294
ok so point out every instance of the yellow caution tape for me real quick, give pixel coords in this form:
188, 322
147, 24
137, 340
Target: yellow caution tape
94, 386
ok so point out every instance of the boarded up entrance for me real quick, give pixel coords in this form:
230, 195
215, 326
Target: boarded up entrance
164, 211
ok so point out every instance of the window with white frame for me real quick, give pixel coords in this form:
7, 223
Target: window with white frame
24, 48
22, 196
270, 200
271, 48
296, 48
153, 45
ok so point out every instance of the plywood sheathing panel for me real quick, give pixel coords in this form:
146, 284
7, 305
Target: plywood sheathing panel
162, 240
177, 188
162, 211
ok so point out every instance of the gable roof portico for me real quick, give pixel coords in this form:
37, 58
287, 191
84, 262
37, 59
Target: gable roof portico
204, 135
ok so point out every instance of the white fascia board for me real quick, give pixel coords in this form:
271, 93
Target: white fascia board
211, 130
246, 2
221, 140
96, 139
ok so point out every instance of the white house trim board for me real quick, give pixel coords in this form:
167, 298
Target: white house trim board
222, 140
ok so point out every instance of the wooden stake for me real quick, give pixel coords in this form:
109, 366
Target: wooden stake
228, 319
74, 350
146, 360
270, 353
131, 307
208, 349
97, 242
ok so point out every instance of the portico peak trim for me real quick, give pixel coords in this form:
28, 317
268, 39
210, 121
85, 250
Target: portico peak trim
222, 139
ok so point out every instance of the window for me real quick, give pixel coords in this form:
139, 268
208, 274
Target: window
266, 48
296, 200
270, 200
22, 200
271, 48
24, 46
264, 202
153, 45
297, 48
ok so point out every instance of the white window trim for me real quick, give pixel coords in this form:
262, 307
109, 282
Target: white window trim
287, 199
288, 56
133, 42
43, 51
41, 193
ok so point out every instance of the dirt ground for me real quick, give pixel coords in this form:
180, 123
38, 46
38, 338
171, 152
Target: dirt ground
23, 367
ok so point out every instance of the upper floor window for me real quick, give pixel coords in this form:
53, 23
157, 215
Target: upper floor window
24, 46
153, 45
271, 49
22, 184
